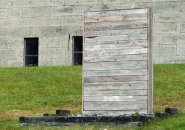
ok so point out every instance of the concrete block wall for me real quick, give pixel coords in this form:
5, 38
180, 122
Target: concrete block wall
56, 21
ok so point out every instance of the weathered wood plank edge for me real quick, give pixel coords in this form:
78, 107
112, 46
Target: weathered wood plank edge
112, 58
115, 10
137, 8
91, 79
136, 105
115, 98
134, 72
115, 32
150, 64
113, 18
116, 25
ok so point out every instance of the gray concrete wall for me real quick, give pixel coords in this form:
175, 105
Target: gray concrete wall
53, 21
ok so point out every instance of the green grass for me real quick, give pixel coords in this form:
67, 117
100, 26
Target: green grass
36, 90
33, 91
169, 86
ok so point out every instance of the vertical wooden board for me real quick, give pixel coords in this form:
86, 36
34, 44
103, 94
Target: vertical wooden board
150, 65
117, 52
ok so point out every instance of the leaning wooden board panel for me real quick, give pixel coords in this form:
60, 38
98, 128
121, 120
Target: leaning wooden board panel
117, 65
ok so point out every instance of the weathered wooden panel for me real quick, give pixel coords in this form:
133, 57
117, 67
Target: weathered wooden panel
116, 62
116, 92
116, 13
128, 42
115, 98
109, 52
121, 78
117, 85
115, 106
124, 65
135, 24
119, 58
114, 72
116, 18
131, 32
121, 39
118, 47
105, 39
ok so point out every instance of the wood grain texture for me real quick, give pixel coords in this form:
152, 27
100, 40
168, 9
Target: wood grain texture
116, 92
129, 32
132, 59
112, 18
120, 78
117, 85
120, 25
116, 12
112, 52
150, 66
125, 65
116, 38
115, 106
115, 98
125, 42
114, 72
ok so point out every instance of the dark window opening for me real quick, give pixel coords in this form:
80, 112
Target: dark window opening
31, 51
77, 50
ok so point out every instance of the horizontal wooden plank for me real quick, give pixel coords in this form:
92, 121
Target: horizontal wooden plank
113, 46
130, 32
115, 85
132, 49
123, 17
109, 52
113, 113
95, 79
114, 72
129, 65
115, 38
115, 98
129, 42
117, 92
139, 105
116, 12
120, 58
120, 25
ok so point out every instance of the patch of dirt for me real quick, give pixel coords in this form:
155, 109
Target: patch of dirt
44, 110
15, 114
72, 108
159, 105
